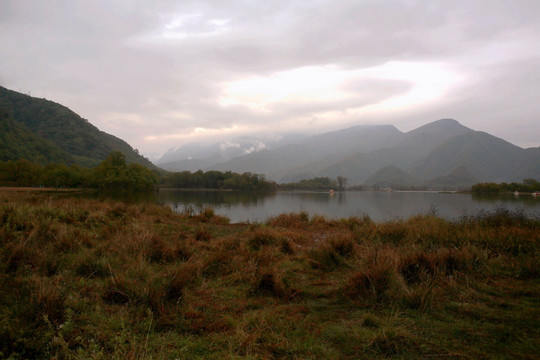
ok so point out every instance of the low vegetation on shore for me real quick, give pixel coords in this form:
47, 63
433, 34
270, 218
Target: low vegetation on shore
91, 279
526, 186
114, 174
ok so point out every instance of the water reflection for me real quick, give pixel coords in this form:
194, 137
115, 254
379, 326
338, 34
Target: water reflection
380, 206
506, 198
210, 198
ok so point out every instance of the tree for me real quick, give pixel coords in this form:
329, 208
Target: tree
140, 177
60, 175
342, 183
114, 173
111, 173
20, 172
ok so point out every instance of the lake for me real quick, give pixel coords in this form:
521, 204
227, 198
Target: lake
379, 205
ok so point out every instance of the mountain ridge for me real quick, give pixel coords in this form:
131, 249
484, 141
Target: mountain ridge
440, 154
432, 154
78, 140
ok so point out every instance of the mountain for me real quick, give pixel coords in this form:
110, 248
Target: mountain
487, 158
442, 154
460, 178
306, 158
403, 151
192, 157
17, 142
54, 133
391, 176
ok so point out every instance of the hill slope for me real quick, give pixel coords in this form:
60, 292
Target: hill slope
84, 143
460, 178
409, 149
390, 176
441, 154
308, 156
17, 142
486, 157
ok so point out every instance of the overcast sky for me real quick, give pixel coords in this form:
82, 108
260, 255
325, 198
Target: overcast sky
160, 74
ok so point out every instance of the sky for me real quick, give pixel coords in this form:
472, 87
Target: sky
160, 74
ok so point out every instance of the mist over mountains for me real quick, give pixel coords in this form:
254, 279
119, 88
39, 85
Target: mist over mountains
441, 154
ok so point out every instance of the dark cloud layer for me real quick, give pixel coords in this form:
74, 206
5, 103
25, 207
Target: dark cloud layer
152, 72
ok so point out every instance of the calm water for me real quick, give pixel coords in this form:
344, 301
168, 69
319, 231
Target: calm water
380, 206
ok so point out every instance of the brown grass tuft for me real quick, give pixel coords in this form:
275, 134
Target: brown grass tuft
203, 234
294, 220
264, 236
379, 279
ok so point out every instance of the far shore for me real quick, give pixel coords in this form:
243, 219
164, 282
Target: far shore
30, 188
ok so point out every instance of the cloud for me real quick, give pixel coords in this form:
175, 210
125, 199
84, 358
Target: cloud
228, 144
153, 72
258, 146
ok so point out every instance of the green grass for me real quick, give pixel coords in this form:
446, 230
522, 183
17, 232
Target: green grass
90, 279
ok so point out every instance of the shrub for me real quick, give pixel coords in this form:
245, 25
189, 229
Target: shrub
391, 232
342, 244
203, 234
285, 246
271, 283
415, 267
295, 220
263, 236
332, 253
324, 257
379, 280
160, 251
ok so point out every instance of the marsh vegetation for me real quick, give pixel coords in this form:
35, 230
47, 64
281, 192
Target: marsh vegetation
94, 279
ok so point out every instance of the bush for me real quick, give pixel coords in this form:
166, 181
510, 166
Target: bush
296, 220
379, 279
263, 236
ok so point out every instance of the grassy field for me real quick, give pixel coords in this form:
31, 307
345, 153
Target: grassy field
89, 279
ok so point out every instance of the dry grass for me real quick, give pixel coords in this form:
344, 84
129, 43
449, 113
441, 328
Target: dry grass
82, 278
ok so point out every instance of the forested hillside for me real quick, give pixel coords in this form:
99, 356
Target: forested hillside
52, 133
17, 142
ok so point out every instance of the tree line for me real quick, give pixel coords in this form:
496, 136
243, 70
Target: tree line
114, 173
528, 185
318, 183
217, 180
111, 173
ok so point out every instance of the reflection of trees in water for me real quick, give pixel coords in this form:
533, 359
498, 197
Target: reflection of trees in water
318, 197
128, 196
497, 198
177, 198
242, 205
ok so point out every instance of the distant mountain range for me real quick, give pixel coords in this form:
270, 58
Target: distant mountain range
45, 132
443, 154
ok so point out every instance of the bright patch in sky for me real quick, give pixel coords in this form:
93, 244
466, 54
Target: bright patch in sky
200, 132
194, 25
430, 82
324, 84
302, 85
